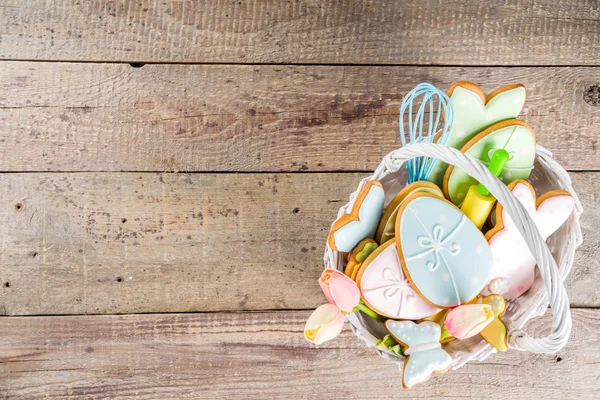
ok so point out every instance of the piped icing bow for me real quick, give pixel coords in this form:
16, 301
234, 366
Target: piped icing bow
436, 243
394, 285
446, 257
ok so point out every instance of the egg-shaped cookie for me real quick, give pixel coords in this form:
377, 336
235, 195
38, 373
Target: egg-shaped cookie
385, 289
514, 136
387, 225
443, 254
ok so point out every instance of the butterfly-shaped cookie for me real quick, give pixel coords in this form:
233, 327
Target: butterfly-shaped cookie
423, 350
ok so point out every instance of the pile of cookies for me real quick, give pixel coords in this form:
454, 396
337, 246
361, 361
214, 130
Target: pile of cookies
440, 260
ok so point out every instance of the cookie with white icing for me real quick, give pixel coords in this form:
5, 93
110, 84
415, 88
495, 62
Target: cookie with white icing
385, 289
513, 265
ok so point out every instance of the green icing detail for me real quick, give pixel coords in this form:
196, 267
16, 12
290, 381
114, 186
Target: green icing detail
366, 251
472, 117
520, 144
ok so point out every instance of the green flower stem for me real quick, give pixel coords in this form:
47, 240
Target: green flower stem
362, 307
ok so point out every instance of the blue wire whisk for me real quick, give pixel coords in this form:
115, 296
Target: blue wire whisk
420, 168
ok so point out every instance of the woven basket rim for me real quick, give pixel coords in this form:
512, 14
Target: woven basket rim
539, 301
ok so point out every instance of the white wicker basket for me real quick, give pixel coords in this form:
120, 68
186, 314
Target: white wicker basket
554, 258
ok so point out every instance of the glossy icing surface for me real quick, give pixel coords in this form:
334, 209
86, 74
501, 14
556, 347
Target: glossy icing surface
471, 116
370, 211
390, 225
424, 351
513, 263
518, 140
386, 290
358, 256
445, 256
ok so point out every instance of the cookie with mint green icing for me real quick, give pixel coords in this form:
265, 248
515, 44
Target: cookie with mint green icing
474, 112
514, 136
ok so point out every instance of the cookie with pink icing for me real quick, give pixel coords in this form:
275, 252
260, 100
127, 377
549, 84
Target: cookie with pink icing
513, 265
385, 289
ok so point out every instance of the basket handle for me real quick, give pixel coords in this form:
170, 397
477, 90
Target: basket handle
557, 296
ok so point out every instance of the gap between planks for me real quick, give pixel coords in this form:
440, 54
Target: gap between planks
199, 118
262, 355
540, 32
190, 242
137, 64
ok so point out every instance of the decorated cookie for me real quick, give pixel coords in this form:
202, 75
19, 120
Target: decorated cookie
423, 350
387, 225
513, 269
474, 111
362, 221
358, 255
443, 254
514, 136
495, 332
385, 289
439, 318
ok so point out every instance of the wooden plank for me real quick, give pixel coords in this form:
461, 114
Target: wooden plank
111, 117
530, 32
261, 355
130, 243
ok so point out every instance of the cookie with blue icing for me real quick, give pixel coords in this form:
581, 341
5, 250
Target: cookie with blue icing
423, 350
444, 256
362, 221
386, 229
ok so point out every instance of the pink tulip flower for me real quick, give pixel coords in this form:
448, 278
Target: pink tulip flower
324, 324
340, 290
468, 320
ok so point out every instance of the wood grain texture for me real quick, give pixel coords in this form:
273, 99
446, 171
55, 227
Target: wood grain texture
261, 355
129, 243
111, 117
526, 32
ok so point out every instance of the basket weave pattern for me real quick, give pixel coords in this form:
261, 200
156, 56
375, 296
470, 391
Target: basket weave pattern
554, 260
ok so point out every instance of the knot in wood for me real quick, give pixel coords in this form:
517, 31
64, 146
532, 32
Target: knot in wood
591, 95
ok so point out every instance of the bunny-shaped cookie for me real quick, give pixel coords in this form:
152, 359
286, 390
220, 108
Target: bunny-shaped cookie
513, 265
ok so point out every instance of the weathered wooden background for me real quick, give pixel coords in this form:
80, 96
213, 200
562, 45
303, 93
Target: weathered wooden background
180, 162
